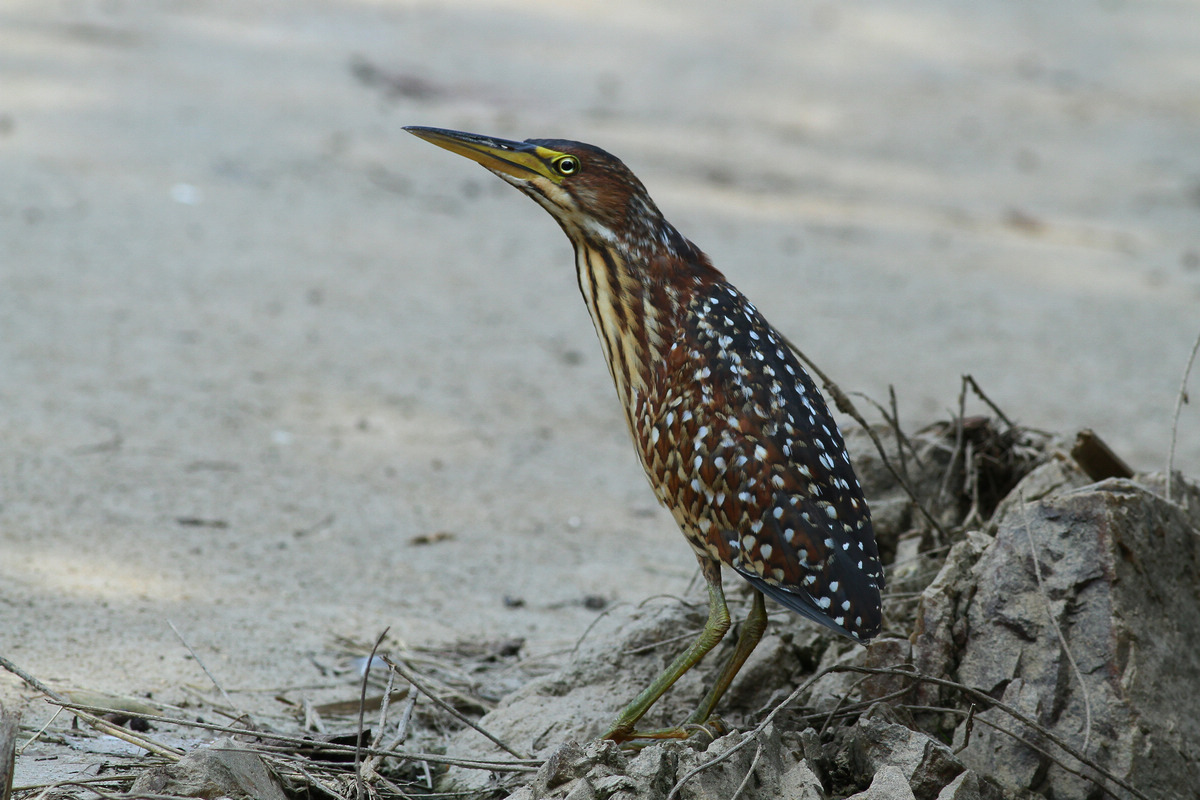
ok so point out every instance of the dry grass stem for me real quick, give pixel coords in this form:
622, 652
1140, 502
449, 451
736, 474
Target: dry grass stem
682, 601
988, 701
104, 726
8, 751
688, 635
749, 773
970, 381
1180, 399
902, 440
844, 405
200, 662
116, 778
418, 683
371, 765
521, 765
1037, 572
40, 730
360, 786
959, 443
838, 705
972, 719
851, 709
970, 726
752, 735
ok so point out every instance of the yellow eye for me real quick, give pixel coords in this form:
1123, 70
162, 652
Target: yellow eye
567, 165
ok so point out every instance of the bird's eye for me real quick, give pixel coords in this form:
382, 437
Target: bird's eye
567, 165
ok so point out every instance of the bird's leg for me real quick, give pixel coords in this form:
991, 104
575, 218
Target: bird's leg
748, 639
714, 630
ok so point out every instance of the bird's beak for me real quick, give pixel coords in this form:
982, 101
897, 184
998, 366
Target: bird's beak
518, 159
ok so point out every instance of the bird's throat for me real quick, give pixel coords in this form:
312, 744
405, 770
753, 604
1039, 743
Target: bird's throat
631, 323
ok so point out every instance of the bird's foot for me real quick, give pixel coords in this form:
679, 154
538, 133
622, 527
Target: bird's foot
704, 732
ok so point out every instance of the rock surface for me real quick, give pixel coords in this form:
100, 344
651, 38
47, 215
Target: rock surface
769, 764
925, 764
1116, 569
889, 784
224, 769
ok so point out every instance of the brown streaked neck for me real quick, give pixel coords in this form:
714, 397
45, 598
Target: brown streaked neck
637, 293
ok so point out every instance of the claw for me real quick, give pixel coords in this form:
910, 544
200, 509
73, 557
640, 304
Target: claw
713, 729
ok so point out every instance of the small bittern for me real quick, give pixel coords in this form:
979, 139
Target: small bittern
732, 432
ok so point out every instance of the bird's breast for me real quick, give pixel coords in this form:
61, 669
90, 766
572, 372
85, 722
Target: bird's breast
740, 446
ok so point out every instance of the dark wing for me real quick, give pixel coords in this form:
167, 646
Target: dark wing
769, 484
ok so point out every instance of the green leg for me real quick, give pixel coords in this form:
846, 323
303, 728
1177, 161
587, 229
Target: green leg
748, 638
714, 629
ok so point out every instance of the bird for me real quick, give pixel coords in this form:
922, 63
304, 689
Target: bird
733, 434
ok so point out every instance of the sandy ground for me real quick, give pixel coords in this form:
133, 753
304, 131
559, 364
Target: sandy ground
254, 338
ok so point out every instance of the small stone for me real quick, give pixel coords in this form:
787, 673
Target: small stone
968, 786
566, 763
1112, 569
926, 764
223, 769
889, 784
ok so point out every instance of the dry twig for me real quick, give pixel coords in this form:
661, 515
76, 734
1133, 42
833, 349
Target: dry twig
521, 765
749, 773
970, 380
752, 735
983, 698
199, 661
959, 442
972, 719
847, 407
360, 787
147, 743
8, 751
419, 684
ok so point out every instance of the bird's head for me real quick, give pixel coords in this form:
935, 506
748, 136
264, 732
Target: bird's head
591, 193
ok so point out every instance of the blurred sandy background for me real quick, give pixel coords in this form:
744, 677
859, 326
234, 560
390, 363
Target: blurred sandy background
255, 340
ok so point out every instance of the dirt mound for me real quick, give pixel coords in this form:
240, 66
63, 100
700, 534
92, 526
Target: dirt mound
1043, 649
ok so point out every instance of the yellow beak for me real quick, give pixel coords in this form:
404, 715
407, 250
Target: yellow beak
519, 159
